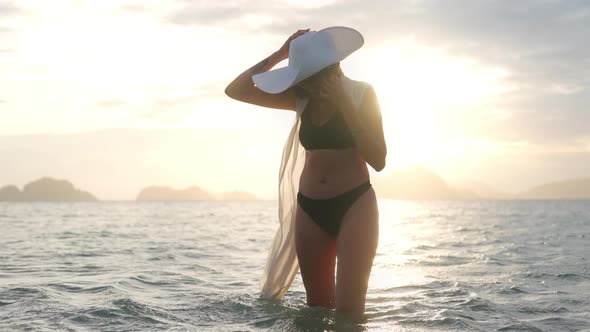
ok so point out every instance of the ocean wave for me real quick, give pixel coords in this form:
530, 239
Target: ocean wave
119, 272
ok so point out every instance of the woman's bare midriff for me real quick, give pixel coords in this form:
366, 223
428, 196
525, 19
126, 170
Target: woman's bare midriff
328, 173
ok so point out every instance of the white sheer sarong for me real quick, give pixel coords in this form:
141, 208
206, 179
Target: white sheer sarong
281, 264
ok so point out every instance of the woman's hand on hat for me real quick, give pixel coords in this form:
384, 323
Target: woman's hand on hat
283, 52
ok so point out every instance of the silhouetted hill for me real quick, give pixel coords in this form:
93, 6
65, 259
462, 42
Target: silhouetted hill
45, 189
162, 193
10, 193
484, 190
238, 196
569, 189
417, 183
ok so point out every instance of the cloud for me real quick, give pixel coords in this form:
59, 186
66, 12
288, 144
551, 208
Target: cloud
213, 89
207, 14
174, 109
8, 9
268, 17
542, 44
134, 8
521, 35
159, 110
111, 103
168, 107
527, 115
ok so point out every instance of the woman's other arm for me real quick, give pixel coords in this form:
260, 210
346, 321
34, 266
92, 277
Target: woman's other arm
366, 125
370, 137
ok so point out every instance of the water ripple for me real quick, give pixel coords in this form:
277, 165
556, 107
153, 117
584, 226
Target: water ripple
440, 266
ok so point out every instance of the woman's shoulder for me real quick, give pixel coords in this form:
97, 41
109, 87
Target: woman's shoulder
357, 89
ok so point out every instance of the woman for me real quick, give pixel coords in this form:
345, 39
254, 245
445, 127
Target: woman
333, 210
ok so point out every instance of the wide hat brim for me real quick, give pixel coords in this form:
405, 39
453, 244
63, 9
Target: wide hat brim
322, 49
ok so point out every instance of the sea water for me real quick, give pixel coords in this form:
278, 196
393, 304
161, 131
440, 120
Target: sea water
196, 266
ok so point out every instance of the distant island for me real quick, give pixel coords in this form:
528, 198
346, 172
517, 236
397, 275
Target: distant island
568, 189
484, 190
238, 196
163, 193
410, 183
417, 183
45, 189
420, 183
193, 193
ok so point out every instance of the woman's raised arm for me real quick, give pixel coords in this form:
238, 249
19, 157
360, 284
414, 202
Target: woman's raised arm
243, 89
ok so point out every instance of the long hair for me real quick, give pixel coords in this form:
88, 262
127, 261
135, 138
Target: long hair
331, 69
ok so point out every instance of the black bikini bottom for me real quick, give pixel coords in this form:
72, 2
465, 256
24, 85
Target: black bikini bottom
328, 212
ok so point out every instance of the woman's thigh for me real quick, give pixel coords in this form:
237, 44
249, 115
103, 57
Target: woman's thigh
357, 244
316, 252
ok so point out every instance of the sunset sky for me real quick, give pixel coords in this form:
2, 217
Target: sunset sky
118, 95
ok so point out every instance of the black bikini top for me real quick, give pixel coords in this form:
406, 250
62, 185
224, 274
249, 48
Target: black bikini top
334, 134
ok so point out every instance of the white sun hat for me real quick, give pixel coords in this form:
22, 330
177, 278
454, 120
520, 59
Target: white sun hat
309, 54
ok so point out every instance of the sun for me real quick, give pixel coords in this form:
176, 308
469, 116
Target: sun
422, 91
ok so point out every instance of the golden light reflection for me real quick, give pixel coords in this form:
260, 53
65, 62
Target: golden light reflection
400, 238
408, 233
